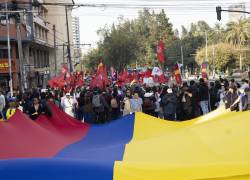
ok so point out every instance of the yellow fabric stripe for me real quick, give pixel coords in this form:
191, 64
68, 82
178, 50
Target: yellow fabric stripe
213, 146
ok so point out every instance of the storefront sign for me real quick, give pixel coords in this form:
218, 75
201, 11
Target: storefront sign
4, 66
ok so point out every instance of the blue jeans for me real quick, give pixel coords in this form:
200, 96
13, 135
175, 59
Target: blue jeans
204, 107
170, 117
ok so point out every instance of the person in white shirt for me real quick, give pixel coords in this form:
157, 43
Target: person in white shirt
68, 104
2, 103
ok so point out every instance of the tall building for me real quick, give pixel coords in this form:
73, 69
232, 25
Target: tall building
57, 17
235, 16
76, 38
40, 31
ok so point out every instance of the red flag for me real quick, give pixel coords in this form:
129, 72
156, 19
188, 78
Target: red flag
100, 80
160, 51
177, 74
65, 69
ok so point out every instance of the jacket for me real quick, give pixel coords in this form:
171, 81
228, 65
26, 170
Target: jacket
169, 103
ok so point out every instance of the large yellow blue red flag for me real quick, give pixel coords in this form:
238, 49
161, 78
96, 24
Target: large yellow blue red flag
135, 147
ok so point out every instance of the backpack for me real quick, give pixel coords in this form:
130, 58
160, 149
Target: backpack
114, 103
96, 101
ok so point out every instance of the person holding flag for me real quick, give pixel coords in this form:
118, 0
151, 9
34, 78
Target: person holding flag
177, 74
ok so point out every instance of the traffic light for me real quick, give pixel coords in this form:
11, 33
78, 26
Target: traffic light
218, 11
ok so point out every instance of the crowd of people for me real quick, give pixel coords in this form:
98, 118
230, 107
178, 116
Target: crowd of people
170, 102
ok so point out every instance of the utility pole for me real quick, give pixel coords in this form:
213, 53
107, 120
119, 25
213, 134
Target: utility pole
68, 47
20, 53
54, 30
240, 62
182, 60
9, 53
213, 63
206, 46
63, 54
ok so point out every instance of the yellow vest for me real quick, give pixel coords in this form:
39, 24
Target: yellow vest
10, 112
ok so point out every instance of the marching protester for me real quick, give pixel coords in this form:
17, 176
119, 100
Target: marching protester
149, 100
136, 103
102, 101
36, 109
11, 108
68, 104
186, 102
168, 103
204, 96
2, 104
126, 104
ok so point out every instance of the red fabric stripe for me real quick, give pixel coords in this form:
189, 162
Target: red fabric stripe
23, 138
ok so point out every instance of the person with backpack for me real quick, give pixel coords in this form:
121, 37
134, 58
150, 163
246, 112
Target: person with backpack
98, 103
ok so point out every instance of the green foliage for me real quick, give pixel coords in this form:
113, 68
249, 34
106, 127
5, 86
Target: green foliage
134, 41
221, 55
238, 32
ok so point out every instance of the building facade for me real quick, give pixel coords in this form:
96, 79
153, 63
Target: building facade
38, 39
76, 39
57, 16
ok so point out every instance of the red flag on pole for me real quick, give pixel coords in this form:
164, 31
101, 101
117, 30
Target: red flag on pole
161, 51
64, 69
100, 80
177, 74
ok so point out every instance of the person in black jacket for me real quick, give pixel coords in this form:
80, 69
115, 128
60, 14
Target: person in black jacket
195, 99
230, 97
36, 109
169, 103
186, 101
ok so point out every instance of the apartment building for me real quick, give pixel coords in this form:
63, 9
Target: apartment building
76, 38
41, 29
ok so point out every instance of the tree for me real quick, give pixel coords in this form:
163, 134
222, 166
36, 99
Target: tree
237, 32
217, 34
184, 32
225, 56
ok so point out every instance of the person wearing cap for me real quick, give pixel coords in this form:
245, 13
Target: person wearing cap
12, 108
169, 103
68, 104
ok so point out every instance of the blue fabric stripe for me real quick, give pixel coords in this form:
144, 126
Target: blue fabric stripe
91, 158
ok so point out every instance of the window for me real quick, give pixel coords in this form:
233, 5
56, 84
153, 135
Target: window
40, 32
3, 53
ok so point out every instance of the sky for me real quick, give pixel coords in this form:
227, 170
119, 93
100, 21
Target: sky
180, 12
